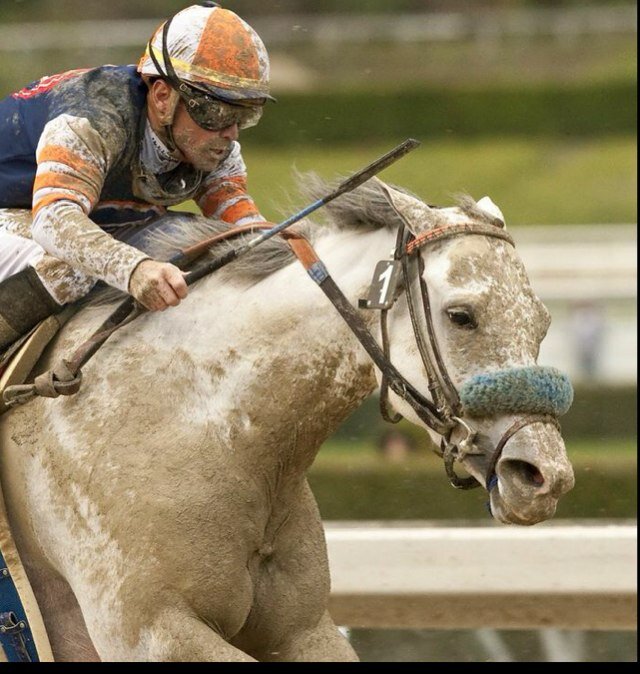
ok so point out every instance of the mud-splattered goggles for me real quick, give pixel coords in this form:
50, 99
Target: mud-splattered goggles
213, 114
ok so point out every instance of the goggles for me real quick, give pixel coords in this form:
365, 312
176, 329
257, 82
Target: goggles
213, 114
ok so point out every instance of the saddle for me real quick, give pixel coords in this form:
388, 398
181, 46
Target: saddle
23, 636
21, 357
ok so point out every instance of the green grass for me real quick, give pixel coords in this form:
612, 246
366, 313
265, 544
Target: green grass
352, 481
611, 454
533, 181
392, 66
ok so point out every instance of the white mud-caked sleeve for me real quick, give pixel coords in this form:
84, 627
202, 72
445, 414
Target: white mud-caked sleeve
223, 194
73, 160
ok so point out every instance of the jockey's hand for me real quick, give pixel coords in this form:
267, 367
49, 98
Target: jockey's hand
157, 285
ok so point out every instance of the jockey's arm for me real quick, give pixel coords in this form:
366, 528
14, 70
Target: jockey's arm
73, 160
223, 195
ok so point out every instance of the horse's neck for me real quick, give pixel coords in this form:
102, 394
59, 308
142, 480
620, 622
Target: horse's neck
294, 367
270, 363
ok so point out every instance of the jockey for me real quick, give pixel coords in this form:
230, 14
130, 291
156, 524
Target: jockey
89, 156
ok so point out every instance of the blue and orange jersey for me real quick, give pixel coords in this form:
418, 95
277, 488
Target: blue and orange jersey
70, 150
76, 136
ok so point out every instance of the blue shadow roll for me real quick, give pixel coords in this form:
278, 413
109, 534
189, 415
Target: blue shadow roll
529, 390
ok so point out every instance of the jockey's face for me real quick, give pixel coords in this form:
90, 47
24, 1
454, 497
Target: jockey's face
200, 147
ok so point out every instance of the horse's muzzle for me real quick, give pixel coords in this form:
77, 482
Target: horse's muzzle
533, 472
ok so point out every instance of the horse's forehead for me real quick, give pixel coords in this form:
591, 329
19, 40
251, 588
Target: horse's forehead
480, 259
491, 270
512, 317
454, 215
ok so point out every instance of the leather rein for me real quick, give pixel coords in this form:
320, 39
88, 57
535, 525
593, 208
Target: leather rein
443, 414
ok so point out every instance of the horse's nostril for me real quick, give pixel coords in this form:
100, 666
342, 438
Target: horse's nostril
524, 471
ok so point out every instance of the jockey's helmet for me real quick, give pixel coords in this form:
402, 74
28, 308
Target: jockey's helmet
215, 61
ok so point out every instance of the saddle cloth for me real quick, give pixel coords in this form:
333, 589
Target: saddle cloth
24, 637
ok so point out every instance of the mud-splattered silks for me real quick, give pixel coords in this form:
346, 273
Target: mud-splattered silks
69, 147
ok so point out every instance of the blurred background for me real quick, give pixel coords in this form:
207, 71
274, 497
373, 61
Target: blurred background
531, 102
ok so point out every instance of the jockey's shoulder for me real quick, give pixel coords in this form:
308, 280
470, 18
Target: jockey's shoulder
106, 95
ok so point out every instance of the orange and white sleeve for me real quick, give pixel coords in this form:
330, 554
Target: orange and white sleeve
223, 195
73, 160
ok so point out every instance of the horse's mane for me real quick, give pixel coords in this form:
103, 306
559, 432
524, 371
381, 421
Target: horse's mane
368, 206
364, 209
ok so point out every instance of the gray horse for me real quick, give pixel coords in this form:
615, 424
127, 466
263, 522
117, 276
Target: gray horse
163, 512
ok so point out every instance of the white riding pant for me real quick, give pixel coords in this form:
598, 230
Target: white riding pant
18, 250
16, 253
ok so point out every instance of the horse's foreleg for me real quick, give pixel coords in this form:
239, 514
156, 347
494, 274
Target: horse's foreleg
62, 617
179, 637
323, 643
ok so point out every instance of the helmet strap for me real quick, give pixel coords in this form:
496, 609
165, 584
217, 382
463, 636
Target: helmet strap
167, 120
170, 140
170, 74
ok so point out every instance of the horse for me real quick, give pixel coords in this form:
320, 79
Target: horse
163, 512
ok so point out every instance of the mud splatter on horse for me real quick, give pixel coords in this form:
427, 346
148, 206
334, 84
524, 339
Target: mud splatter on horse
163, 512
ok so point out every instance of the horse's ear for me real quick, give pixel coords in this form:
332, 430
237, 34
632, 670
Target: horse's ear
489, 207
416, 215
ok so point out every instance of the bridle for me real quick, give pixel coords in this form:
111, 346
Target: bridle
443, 413
443, 391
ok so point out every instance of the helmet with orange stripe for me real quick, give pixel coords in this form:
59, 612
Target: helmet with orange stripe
216, 63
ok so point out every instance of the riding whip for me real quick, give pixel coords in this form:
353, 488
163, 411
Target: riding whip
345, 186
66, 377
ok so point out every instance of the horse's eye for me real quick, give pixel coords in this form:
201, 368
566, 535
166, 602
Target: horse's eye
462, 317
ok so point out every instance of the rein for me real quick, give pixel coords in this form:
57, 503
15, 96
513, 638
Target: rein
65, 378
443, 415
422, 406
